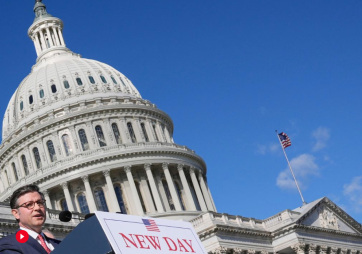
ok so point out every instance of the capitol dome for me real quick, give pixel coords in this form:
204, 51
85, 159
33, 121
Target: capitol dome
80, 130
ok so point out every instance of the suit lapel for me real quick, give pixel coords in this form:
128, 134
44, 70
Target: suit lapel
35, 245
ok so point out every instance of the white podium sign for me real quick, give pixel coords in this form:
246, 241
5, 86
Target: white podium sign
130, 234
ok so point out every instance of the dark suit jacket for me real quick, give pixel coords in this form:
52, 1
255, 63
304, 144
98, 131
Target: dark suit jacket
9, 245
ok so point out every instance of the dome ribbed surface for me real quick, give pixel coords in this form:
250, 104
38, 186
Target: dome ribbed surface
46, 88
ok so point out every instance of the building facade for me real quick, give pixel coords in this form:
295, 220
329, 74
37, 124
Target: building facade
80, 130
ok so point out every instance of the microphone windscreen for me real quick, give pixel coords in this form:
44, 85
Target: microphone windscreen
87, 216
65, 216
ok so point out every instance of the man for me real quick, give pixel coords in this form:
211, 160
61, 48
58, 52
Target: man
28, 207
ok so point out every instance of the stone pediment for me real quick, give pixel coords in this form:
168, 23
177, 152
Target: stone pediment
327, 215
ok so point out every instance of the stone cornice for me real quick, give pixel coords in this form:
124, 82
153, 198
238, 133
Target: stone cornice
304, 228
225, 229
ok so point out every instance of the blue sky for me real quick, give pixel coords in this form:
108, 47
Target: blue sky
230, 73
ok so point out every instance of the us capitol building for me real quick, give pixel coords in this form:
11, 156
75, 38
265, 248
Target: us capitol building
80, 130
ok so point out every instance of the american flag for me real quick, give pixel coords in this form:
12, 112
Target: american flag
151, 225
284, 139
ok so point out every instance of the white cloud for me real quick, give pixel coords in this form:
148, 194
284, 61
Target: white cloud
304, 167
321, 135
271, 148
353, 191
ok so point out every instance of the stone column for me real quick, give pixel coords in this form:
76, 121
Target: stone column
151, 135
50, 39
150, 205
186, 187
171, 187
61, 37
89, 194
137, 130
197, 190
313, 249
56, 36
47, 199
44, 46
74, 139
333, 251
240, 251
135, 197
219, 250
67, 196
155, 193
205, 191
114, 206
299, 248
324, 250
37, 44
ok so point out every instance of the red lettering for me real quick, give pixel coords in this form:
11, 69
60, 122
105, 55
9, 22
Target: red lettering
174, 244
129, 240
154, 241
190, 245
141, 241
181, 246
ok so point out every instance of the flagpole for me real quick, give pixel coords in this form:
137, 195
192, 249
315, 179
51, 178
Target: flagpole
290, 167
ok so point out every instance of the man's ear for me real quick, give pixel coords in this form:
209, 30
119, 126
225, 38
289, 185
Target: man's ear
15, 213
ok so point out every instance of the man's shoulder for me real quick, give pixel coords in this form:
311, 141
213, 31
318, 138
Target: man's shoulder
8, 239
9, 244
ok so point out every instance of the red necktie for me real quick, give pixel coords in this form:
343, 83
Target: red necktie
42, 242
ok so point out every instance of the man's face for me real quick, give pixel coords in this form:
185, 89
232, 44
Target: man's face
30, 218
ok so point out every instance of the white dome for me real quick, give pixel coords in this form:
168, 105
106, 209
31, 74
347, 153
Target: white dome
53, 83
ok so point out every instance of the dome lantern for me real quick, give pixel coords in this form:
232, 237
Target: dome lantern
46, 31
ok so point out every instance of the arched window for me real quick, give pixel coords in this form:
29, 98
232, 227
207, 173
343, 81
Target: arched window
131, 132
41, 93
31, 99
155, 131
144, 131
140, 196
67, 145
91, 79
37, 157
51, 150
66, 84
168, 195
114, 81
79, 81
103, 79
15, 172
119, 194
116, 133
179, 194
100, 136
21, 105
100, 200
83, 205
83, 139
54, 88
25, 164
64, 205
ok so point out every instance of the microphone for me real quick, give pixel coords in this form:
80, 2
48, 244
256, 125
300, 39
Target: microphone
87, 216
65, 216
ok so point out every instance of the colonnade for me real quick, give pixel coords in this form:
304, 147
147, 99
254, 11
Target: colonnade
47, 37
146, 188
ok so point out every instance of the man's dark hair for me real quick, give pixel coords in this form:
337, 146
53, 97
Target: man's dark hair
22, 191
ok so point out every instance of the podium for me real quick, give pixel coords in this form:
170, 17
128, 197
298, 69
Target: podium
87, 238
111, 233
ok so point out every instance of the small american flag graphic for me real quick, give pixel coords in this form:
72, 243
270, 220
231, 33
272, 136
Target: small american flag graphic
151, 225
284, 139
